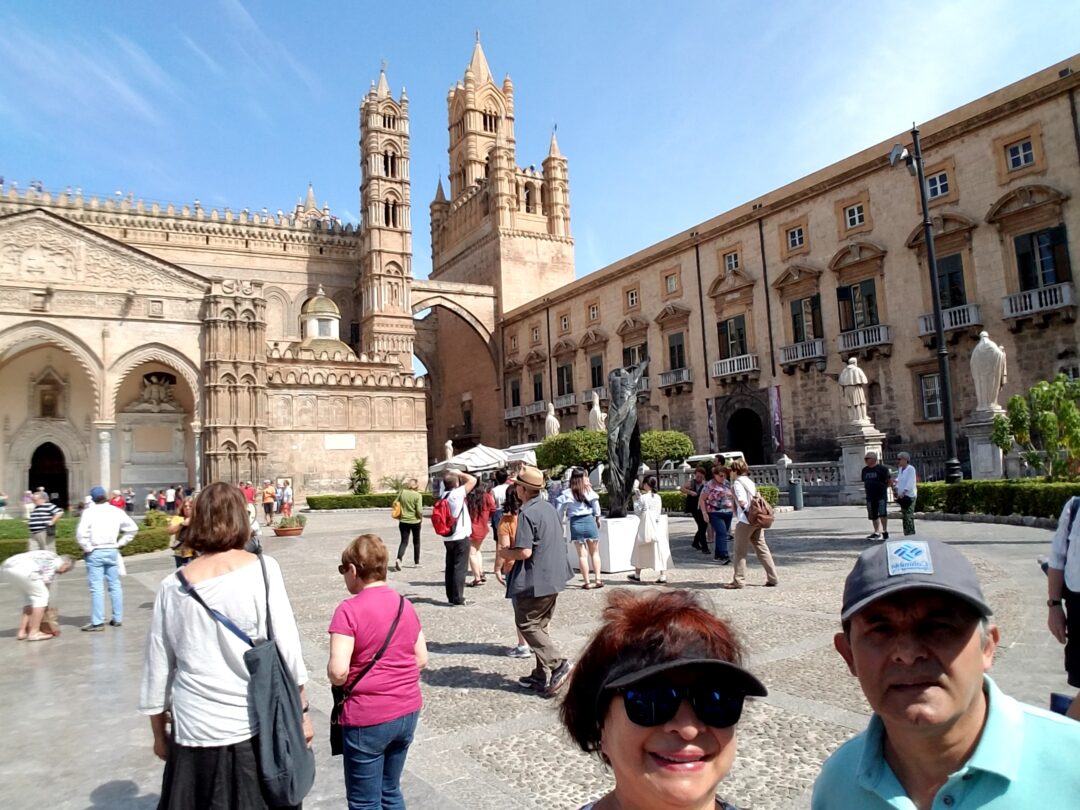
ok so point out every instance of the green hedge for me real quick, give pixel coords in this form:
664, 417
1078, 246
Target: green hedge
378, 500
18, 530
1011, 497
146, 540
673, 500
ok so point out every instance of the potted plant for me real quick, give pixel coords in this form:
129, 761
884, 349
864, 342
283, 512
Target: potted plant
291, 526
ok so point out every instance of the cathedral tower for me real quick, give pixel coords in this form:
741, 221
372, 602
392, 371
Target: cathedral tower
383, 288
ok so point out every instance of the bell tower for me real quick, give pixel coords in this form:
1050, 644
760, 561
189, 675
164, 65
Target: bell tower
383, 288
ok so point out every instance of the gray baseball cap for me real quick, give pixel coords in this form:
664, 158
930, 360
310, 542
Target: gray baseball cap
914, 562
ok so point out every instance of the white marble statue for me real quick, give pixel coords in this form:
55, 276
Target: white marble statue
987, 372
448, 449
853, 382
551, 423
597, 418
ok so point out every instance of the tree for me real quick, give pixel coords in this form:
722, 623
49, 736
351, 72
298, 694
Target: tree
360, 477
576, 448
1046, 424
658, 446
393, 483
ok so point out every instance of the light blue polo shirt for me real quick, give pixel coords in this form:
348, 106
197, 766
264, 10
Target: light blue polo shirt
1026, 758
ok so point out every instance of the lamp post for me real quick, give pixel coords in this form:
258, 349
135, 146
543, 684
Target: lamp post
914, 163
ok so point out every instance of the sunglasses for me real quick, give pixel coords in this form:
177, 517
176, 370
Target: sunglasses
343, 568
655, 705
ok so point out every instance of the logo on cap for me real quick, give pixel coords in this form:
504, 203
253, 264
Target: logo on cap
909, 557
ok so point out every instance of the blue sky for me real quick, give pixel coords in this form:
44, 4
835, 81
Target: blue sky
669, 113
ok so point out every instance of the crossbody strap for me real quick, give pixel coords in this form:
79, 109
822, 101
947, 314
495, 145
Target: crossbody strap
189, 589
379, 654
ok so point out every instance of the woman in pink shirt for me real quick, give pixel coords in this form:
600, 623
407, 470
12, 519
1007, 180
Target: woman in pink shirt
381, 708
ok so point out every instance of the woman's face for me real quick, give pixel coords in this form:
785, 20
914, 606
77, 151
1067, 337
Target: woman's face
676, 764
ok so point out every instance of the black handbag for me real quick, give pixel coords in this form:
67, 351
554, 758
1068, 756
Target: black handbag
341, 694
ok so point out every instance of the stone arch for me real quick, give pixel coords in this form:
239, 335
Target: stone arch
29, 335
747, 400
280, 324
154, 353
73, 443
422, 302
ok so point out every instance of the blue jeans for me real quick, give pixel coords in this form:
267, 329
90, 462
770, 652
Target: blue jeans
101, 564
721, 524
374, 758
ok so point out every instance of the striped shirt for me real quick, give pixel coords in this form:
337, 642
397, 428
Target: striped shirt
42, 516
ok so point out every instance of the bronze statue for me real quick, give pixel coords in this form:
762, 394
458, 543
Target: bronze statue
623, 436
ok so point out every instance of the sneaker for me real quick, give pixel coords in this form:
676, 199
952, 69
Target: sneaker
722, 560
559, 677
520, 651
397, 565
462, 603
533, 682
115, 623
92, 628
874, 536
884, 535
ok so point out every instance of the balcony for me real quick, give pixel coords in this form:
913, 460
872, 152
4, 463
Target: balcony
1044, 300
953, 318
565, 401
865, 340
741, 366
586, 395
805, 352
675, 380
536, 407
643, 385
512, 413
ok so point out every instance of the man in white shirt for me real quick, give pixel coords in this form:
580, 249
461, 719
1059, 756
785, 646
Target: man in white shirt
102, 531
904, 486
458, 484
1063, 592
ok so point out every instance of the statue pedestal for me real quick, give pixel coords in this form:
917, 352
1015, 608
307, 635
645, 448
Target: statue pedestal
853, 449
986, 457
616, 543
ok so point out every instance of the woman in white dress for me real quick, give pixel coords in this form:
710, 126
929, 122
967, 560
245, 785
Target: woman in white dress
651, 549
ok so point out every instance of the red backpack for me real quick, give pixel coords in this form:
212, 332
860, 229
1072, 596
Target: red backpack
442, 520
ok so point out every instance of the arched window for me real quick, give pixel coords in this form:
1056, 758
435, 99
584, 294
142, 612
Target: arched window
390, 214
530, 201
389, 164
543, 200
389, 121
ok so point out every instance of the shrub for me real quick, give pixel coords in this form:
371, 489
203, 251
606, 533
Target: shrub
1030, 497
377, 500
18, 529
1045, 423
577, 448
155, 519
658, 446
292, 522
146, 540
360, 477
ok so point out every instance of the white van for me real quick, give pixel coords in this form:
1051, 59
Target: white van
727, 456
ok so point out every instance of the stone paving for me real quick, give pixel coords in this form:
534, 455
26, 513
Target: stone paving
75, 741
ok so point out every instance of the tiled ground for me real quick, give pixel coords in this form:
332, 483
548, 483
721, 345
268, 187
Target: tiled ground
71, 727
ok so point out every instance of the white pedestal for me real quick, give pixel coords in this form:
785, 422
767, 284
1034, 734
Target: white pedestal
854, 446
986, 457
616, 543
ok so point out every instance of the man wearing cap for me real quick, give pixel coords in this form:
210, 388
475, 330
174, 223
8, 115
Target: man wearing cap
102, 531
917, 635
457, 484
541, 571
1063, 586
876, 478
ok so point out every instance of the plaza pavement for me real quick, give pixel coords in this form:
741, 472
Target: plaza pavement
72, 738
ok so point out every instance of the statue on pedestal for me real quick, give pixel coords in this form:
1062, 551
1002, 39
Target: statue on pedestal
597, 418
853, 382
987, 372
448, 449
623, 437
551, 423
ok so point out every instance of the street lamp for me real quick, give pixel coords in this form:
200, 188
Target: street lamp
914, 164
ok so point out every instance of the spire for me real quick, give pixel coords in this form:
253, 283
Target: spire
310, 203
478, 64
440, 195
553, 149
383, 90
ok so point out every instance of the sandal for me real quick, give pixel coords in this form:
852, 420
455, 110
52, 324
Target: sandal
731, 586
633, 577
40, 637
598, 584
588, 586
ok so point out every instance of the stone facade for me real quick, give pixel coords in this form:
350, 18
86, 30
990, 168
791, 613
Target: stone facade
749, 316
145, 345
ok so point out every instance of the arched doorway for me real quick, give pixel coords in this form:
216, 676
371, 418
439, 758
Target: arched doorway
48, 469
744, 432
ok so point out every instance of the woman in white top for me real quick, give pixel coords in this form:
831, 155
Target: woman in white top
582, 505
651, 549
194, 666
745, 534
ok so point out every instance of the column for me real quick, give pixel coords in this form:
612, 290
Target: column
105, 459
196, 429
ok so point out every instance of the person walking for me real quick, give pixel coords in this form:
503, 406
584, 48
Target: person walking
193, 667
28, 503
267, 495
718, 501
33, 573
692, 489
170, 500
582, 505
906, 490
481, 506
747, 536
151, 501
409, 522
42, 523
287, 499
1063, 594
540, 573
504, 539
651, 549
875, 478
129, 501
498, 492
103, 530
457, 484
178, 529
380, 694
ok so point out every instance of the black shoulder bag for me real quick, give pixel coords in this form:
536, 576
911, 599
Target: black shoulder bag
341, 693
286, 764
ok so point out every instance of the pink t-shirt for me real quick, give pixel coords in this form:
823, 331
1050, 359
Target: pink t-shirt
391, 688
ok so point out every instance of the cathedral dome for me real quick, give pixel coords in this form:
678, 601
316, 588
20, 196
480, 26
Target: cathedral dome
319, 304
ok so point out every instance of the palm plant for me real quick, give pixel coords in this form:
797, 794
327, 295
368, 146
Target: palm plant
360, 477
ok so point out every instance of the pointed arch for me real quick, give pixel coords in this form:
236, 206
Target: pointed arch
154, 353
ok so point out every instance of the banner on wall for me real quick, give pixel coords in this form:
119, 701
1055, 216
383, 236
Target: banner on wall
777, 420
712, 425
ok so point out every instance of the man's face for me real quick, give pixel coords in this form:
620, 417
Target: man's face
870, 461
919, 657
902, 462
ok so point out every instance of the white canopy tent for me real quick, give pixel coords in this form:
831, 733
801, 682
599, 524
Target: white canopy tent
475, 459
524, 453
